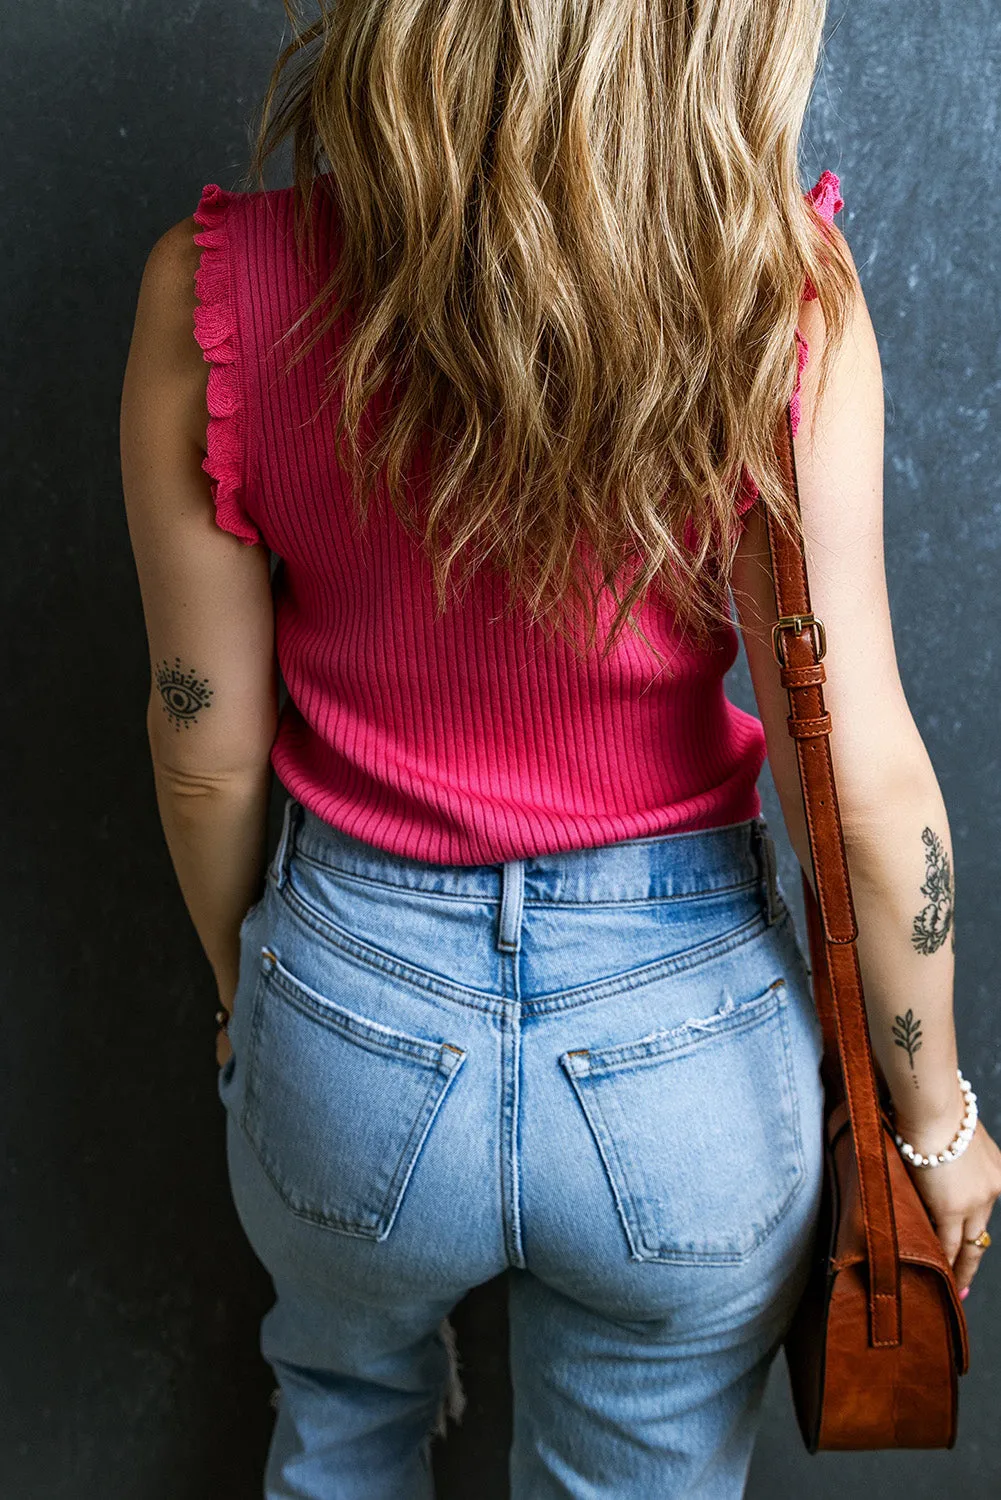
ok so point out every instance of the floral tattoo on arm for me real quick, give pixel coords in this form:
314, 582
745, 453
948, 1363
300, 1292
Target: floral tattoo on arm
184, 694
932, 925
934, 922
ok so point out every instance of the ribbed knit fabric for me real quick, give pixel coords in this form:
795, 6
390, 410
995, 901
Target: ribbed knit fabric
469, 738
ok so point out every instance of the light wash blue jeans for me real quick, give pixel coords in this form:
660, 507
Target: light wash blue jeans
598, 1069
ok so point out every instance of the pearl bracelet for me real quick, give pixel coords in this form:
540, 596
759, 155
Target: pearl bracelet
958, 1144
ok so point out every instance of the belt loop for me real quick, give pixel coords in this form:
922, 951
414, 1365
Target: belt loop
286, 843
512, 898
764, 846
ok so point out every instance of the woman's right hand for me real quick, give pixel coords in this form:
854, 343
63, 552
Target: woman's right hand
959, 1195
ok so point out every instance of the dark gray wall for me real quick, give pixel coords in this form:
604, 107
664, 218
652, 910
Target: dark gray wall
130, 1298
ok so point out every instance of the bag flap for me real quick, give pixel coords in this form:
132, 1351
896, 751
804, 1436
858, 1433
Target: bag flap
918, 1243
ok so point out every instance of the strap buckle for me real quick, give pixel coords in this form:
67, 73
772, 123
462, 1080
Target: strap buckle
798, 623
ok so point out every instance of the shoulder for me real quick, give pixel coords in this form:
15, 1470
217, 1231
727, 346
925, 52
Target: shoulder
164, 358
181, 387
167, 289
855, 363
219, 222
857, 356
184, 290
168, 358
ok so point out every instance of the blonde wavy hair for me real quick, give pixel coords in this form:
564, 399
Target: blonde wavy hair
573, 244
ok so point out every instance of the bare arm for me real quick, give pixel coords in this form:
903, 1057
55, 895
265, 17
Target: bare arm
896, 826
206, 597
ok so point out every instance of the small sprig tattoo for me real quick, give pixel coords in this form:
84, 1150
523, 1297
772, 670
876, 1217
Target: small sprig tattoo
184, 694
934, 922
907, 1034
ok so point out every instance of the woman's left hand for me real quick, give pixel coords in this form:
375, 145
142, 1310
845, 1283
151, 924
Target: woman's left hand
223, 1050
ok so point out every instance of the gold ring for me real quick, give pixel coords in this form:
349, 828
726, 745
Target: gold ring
982, 1240
222, 1018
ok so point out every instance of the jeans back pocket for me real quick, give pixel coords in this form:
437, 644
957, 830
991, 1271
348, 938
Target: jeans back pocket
336, 1106
699, 1130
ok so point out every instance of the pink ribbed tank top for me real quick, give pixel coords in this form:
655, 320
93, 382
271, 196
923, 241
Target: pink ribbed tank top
471, 738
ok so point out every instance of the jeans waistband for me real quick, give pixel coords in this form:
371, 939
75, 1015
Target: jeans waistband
682, 864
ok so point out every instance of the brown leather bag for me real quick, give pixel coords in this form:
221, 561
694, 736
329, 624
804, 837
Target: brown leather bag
879, 1336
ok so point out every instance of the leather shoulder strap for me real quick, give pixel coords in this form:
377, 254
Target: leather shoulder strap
799, 643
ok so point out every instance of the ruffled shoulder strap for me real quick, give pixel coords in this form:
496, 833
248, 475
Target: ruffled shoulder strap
217, 332
825, 195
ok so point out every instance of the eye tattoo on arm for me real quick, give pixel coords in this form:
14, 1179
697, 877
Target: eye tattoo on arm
934, 921
184, 694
